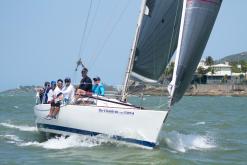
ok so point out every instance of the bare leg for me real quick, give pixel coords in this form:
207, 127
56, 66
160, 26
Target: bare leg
51, 111
56, 111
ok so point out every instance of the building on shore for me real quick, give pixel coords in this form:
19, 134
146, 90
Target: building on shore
217, 74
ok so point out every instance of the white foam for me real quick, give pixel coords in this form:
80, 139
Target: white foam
21, 128
61, 142
69, 142
182, 143
12, 138
200, 123
16, 107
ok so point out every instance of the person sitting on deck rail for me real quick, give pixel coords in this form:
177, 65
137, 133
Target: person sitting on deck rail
51, 97
55, 97
85, 87
68, 91
98, 87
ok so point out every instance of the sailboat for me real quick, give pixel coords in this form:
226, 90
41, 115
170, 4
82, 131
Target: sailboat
164, 26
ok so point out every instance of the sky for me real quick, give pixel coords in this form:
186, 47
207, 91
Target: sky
42, 40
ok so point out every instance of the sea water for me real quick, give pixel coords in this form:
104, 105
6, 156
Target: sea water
199, 130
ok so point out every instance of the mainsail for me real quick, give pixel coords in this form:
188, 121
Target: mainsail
155, 40
197, 22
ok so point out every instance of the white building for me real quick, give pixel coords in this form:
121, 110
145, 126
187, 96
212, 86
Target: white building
218, 73
221, 70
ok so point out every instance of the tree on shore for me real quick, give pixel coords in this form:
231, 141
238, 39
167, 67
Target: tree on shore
237, 69
167, 74
201, 70
169, 69
243, 66
209, 61
210, 69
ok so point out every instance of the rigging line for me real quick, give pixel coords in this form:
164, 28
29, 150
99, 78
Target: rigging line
82, 38
85, 28
170, 47
92, 24
172, 37
112, 30
107, 23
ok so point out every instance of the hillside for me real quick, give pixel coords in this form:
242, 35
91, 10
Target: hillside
235, 57
20, 90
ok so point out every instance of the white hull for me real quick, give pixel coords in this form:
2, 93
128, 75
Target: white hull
122, 123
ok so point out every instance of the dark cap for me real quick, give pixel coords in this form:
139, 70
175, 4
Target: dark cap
47, 83
96, 79
53, 82
67, 79
84, 70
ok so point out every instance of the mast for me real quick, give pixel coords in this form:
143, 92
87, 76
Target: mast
133, 50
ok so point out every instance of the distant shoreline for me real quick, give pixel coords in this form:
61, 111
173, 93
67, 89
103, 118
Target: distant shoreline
193, 90
204, 90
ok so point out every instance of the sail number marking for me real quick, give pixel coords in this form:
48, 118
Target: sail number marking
113, 111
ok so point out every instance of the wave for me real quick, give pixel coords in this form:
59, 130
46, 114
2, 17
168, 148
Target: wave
21, 128
62, 142
11, 138
200, 123
182, 143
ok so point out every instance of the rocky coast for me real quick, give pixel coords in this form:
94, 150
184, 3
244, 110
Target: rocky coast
204, 90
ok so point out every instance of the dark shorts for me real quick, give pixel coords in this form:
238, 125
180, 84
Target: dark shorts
53, 104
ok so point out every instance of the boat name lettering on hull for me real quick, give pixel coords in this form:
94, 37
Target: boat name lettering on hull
113, 111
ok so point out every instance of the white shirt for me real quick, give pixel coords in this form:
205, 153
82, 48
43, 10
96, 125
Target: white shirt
50, 95
53, 93
57, 90
69, 92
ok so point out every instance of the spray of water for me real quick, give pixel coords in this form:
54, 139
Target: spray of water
182, 142
62, 142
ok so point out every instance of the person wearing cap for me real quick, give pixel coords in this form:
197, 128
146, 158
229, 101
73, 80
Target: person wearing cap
47, 87
98, 88
41, 93
85, 87
68, 91
50, 94
55, 98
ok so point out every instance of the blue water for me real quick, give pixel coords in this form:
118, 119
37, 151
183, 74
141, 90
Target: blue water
199, 130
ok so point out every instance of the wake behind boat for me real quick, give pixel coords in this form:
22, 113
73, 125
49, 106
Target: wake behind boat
163, 27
